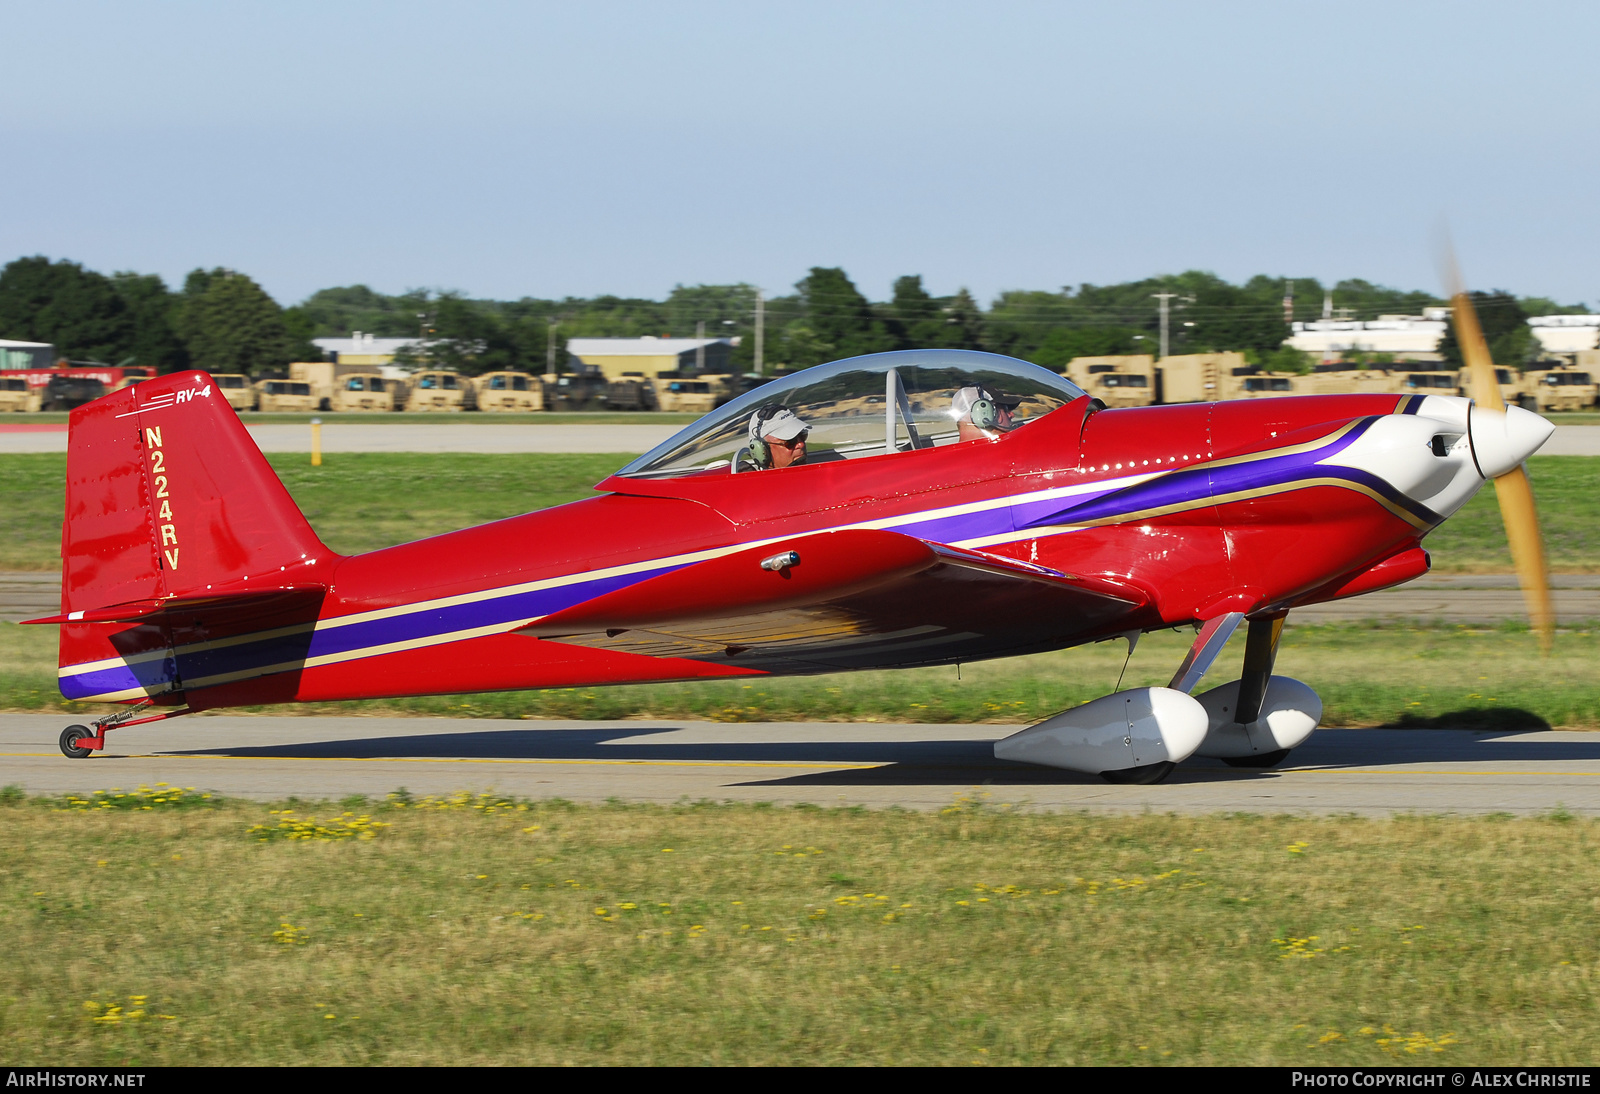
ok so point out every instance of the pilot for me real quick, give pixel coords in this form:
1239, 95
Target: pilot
777, 437
981, 413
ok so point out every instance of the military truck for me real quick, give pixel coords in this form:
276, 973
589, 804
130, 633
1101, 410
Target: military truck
1116, 381
16, 395
1434, 382
285, 396
64, 392
439, 390
1334, 380
1557, 386
508, 392
577, 391
324, 377
630, 391
693, 394
364, 391
1203, 377
237, 389
1510, 384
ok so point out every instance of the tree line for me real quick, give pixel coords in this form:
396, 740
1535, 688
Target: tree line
223, 321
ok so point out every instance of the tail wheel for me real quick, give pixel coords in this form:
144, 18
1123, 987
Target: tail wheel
1148, 775
1260, 759
69, 742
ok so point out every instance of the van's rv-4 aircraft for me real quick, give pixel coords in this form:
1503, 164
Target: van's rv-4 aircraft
192, 582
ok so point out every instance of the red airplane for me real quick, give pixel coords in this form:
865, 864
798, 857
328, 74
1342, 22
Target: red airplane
908, 508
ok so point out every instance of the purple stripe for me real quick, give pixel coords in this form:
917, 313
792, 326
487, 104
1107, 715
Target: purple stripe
422, 624
154, 676
1199, 484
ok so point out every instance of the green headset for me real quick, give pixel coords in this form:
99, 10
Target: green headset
985, 415
760, 450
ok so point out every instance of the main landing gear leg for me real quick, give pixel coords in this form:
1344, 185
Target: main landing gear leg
1214, 635
78, 741
1260, 654
1208, 643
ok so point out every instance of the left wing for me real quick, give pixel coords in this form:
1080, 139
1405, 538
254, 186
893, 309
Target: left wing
857, 598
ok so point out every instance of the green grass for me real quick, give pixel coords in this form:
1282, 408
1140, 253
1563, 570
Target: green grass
491, 933
1567, 489
364, 501
1397, 675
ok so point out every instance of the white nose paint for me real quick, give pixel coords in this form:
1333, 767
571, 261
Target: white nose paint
1501, 441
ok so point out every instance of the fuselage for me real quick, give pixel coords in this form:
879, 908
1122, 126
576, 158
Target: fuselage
1250, 506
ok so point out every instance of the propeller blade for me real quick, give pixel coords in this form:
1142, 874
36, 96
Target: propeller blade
1515, 495
1512, 489
1474, 350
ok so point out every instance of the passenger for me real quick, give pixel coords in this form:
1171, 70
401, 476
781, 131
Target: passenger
980, 413
777, 437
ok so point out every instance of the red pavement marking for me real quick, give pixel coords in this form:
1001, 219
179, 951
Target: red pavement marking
58, 428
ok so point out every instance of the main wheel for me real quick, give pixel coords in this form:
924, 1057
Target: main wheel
69, 742
1260, 759
1148, 775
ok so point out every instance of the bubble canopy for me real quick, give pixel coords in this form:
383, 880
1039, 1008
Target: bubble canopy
862, 407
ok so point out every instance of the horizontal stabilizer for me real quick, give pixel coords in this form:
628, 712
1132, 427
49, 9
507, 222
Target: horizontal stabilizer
135, 610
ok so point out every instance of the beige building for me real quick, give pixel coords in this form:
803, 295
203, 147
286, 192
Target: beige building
1407, 337
1566, 333
362, 349
649, 357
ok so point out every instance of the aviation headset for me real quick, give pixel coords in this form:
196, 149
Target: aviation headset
984, 413
760, 450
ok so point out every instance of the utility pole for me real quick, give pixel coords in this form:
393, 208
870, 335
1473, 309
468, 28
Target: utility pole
761, 330
550, 350
1288, 301
700, 346
1165, 310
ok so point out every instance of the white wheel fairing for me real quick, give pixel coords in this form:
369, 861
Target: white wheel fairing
1289, 713
1113, 733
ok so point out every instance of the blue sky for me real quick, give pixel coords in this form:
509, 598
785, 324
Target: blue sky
546, 150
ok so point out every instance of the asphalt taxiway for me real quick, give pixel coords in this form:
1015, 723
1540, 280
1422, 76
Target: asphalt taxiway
1374, 772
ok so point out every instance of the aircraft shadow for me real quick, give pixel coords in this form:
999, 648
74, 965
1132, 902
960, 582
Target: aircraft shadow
910, 762
615, 743
958, 762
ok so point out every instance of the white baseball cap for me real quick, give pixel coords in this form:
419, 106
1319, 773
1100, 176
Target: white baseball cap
784, 425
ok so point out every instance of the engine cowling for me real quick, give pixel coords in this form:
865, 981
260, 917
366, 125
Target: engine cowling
1289, 713
1116, 732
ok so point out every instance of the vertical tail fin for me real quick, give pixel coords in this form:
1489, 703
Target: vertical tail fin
169, 501
168, 496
